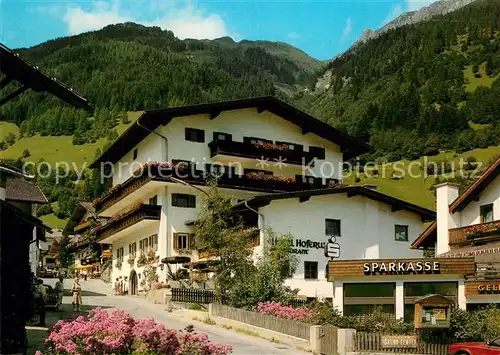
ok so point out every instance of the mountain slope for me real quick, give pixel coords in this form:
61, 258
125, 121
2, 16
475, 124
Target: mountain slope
410, 90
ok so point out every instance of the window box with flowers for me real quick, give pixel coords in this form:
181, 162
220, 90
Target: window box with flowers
142, 260
131, 260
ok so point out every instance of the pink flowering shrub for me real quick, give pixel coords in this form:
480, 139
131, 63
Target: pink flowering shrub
119, 333
287, 312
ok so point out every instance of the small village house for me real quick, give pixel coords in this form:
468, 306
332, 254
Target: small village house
282, 166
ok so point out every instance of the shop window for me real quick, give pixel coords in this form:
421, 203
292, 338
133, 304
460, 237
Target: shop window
486, 213
417, 289
332, 227
369, 290
195, 135
365, 310
310, 270
184, 200
153, 200
401, 233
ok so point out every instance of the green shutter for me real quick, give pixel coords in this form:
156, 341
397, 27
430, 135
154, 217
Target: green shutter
191, 242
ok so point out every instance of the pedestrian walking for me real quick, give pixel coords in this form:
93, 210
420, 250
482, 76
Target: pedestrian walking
60, 292
77, 297
39, 296
116, 286
85, 274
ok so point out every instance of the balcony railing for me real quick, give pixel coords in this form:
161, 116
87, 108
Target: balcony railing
254, 182
477, 233
252, 151
136, 215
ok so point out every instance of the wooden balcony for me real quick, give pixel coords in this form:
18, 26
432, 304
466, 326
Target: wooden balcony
252, 182
251, 151
486, 271
128, 219
475, 234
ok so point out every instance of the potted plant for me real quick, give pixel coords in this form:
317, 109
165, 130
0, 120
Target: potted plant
131, 260
142, 260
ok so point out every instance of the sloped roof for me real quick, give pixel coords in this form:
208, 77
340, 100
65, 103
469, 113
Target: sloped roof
150, 120
17, 68
397, 204
24, 191
476, 187
79, 212
427, 238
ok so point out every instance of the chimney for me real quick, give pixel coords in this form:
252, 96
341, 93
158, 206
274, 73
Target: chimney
446, 193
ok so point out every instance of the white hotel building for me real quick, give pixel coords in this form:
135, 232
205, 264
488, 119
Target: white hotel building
156, 210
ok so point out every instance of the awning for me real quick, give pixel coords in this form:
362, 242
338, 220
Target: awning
176, 259
80, 267
106, 254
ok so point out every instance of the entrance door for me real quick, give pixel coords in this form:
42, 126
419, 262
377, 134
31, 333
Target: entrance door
133, 283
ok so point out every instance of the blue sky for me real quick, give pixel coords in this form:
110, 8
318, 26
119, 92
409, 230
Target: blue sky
322, 29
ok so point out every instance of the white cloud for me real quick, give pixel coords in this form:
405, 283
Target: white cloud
414, 5
103, 14
185, 21
395, 11
293, 35
346, 32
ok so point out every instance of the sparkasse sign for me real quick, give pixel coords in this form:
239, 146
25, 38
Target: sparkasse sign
402, 267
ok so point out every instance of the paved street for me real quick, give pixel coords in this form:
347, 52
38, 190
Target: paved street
98, 294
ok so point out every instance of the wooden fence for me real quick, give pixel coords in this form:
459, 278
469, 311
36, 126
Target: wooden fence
375, 342
284, 326
193, 295
196, 295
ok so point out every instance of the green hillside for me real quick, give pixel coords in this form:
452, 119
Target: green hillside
412, 91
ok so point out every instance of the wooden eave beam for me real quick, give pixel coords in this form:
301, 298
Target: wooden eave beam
396, 208
351, 194
13, 95
260, 109
5, 81
214, 114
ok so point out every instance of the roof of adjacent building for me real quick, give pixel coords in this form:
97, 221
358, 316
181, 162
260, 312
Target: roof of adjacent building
476, 187
150, 120
427, 239
30, 75
351, 191
21, 190
79, 212
28, 218
429, 236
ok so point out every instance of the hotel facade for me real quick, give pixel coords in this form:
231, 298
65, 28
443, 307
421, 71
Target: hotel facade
276, 162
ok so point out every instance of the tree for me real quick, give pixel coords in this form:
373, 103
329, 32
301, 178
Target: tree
26, 153
65, 255
238, 280
10, 139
